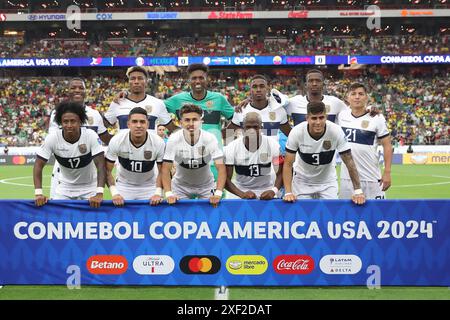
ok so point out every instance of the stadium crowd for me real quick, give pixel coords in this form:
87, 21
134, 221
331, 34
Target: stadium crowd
417, 108
219, 45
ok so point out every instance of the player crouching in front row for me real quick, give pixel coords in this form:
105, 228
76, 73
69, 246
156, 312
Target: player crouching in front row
76, 149
137, 149
192, 150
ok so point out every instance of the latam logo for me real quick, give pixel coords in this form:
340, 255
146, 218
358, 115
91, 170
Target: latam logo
153, 265
200, 264
247, 264
107, 264
293, 264
340, 264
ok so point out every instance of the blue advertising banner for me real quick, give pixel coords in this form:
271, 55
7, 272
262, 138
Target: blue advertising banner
220, 61
240, 243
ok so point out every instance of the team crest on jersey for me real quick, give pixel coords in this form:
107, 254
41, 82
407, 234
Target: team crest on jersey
272, 116
202, 150
264, 157
148, 109
209, 104
327, 108
327, 144
364, 124
147, 155
90, 121
82, 148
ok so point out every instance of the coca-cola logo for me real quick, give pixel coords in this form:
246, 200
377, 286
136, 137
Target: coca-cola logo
293, 264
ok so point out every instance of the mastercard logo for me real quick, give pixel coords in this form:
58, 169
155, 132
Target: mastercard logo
19, 160
200, 264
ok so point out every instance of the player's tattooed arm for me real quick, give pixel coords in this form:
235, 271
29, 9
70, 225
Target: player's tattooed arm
358, 197
351, 166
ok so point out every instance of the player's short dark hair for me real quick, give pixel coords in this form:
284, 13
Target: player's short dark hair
77, 79
313, 71
72, 107
356, 85
259, 76
315, 107
188, 108
137, 69
197, 66
138, 110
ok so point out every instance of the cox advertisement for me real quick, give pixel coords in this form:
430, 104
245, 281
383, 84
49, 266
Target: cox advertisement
240, 243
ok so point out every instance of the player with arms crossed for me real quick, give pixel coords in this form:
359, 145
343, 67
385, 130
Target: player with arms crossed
77, 150
137, 149
253, 156
316, 142
363, 133
192, 149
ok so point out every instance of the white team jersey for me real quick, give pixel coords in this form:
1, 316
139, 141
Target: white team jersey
297, 108
156, 110
362, 133
94, 121
253, 169
192, 162
315, 164
272, 117
78, 171
136, 164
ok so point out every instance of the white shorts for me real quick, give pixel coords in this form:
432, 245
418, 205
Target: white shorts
304, 190
372, 190
54, 180
129, 192
62, 194
189, 192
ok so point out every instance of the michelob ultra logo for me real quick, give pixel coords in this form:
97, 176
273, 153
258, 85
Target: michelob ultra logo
246, 264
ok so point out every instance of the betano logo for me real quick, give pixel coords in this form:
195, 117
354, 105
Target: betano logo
200, 264
293, 264
107, 264
246, 264
153, 265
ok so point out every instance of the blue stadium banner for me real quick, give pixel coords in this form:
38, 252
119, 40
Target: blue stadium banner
240, 243
220, 61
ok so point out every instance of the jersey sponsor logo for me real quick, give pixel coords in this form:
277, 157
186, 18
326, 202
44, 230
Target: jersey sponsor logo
246, 264
148, 108
107, 264
147, 155
264, 157
200, 264
90, 121
327, 108
272, 116
340, 264
327, 144
364, 124
153, 265
293, 264
209, 104
82, 148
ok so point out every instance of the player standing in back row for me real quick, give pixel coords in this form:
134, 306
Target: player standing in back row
363, 133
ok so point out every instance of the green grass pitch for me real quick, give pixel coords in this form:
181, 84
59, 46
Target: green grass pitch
408, 182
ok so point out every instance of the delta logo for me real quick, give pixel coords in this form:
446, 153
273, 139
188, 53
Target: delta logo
107, 264
293, 264
153, 265
200, 264
246, 264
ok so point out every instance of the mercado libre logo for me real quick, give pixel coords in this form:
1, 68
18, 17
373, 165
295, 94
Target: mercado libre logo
200, 264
